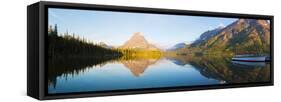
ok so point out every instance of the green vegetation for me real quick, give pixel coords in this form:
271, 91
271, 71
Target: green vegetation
70, 46
250, 42
130, 54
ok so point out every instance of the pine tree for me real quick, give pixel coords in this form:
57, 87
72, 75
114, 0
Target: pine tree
50, 29
56, 30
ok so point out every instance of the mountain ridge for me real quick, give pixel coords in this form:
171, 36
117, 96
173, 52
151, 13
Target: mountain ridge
177, 46
242, 36
207, 35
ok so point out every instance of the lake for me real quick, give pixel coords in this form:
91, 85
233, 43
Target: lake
91, 75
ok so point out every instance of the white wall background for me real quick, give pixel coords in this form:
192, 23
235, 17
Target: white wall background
13, 51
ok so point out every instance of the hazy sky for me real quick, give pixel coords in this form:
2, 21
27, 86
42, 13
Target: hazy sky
115, 28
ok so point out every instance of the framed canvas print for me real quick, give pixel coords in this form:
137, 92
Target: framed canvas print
82, 50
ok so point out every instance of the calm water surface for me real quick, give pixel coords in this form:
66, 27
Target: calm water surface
152, 73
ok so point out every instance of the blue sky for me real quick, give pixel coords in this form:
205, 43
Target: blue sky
115, 28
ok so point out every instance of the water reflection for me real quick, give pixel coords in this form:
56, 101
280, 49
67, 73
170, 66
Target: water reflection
138, 66
222, 68
76, 75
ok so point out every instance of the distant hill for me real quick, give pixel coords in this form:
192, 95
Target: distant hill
177, 46
137, 41
242, 36
104, 45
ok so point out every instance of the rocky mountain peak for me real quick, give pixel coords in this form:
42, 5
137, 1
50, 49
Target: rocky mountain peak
138, 34
137, 41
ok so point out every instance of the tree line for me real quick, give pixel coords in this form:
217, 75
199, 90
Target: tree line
71, 46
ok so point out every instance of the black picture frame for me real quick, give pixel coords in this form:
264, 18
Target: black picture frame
37, 22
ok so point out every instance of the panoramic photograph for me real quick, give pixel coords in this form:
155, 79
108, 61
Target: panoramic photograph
93, 51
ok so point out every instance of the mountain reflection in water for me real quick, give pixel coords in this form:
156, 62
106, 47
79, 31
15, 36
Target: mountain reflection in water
72, 75
137, 67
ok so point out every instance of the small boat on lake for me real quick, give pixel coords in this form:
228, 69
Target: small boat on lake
251, 58
251, 64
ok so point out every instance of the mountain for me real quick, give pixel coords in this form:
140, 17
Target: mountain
178, 46
137, 41
207, 35
104, 45
242, 36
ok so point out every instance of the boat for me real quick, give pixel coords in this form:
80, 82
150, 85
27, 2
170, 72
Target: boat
251, 64
251, 58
